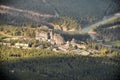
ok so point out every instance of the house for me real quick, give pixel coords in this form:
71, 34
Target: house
64, 28
58, 39
21, 45
93, 51
40, 47
5, 44
57, 27
42, 35
50, 36
79, 45
52, 41
81, 52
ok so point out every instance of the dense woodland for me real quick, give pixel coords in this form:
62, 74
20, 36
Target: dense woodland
109, 32
25, 64
83, 11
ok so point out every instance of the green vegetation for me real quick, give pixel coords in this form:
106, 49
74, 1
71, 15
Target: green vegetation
9, 31
115, 43
39, 64
84, 11
2, 37
7, 53
29, 32
102, 49
68, 23
109, 31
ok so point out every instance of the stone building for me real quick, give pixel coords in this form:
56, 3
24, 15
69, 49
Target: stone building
57, 27
58, 39
79, 45
42, 35
73, 41
21, 45
50, 36
64, 28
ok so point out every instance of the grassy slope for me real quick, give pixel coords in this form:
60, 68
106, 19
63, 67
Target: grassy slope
46, 65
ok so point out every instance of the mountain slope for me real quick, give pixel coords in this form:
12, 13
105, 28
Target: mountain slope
84, 11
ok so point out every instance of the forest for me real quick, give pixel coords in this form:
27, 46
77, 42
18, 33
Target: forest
20, 64
83, 11
109, 31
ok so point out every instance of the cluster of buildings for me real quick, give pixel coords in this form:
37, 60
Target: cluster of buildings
49, 36
58, 41
58, 44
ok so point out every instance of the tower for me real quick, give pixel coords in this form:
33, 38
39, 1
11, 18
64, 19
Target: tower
51, 34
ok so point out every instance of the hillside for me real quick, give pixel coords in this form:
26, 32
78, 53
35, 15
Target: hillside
84, 11
59, 39
109, 33
46, 65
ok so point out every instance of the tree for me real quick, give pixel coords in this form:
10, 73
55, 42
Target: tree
68, 23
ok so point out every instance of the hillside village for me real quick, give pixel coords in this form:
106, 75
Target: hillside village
54, 41
58, 41
58, 37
